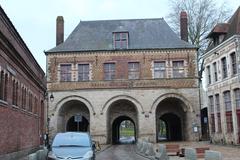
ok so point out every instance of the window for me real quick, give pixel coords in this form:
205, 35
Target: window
2, 85
212, 123
215, 71
159, 70
229, 122
211, 105
224, 67
120, 40
83, 72
228, 107
237, 98
5, 87
30, 102
24, 97
178, 69
217, 103
65, 72
227, 100
15, 93
233, 63
209, 74
109, 71
35, 105
133, 70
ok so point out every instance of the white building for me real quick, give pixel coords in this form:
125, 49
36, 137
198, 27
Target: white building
222, 71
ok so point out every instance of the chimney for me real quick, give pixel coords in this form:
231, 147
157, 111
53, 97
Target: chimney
59, 30
184, 26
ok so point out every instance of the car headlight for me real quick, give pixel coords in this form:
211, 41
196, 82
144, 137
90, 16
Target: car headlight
88, 155
51, 156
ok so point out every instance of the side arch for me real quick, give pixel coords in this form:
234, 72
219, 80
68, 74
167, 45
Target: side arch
60, 103
122, 97
187, 106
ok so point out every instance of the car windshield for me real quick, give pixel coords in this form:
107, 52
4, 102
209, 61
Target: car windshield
71, 140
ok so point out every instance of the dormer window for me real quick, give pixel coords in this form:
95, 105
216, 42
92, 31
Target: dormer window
120, 40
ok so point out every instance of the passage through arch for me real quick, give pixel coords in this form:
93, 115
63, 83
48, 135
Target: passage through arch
118, 112
171, 120
67, 120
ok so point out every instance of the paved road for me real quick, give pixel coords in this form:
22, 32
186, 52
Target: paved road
119, 152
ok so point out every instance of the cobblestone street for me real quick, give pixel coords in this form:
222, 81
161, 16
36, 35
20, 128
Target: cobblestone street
119, 152
127, 152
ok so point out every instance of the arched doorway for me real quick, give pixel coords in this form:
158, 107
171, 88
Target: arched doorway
118, 112
76, 124
171, 126
170, 120
67, 113
123, 130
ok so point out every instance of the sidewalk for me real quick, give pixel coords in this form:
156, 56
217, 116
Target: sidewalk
228, 152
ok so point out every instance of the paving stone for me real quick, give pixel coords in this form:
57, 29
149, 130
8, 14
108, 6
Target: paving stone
213, 155
190, 154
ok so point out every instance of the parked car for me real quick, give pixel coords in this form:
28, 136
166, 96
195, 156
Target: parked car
72, 145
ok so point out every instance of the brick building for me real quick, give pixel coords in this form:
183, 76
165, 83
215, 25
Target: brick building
22, 88
109, 71
222, 63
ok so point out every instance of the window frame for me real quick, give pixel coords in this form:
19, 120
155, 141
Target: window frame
237, 98
135, 72
109, 74
224, 68
209, 74
84, 73
121, 40
233, 63
68, 73
177, 69
161, 70
215, 71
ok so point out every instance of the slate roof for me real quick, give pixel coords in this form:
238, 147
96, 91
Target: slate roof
143, 34
229, 29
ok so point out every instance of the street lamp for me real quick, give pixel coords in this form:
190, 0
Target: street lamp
51, 98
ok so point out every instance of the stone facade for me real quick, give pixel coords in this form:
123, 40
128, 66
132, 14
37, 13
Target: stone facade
116, 70
146, 96
22, 88
222, 63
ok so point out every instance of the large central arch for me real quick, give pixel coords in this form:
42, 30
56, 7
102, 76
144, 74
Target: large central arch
117, 112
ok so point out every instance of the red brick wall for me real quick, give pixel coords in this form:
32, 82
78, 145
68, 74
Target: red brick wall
19, 130
121, 59
19, 127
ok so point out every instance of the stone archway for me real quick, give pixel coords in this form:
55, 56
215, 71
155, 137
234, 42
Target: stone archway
119, 111
75, 126
66, 115
116, 130
173, 127
172, 111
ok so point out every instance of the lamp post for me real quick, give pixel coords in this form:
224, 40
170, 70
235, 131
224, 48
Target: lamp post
51, 98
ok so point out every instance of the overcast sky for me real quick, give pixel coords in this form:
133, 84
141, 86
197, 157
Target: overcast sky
35, 20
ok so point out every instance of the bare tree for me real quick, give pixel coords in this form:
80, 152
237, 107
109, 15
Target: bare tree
203, 15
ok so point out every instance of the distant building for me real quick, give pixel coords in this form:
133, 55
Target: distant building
22, 88
109, 71
222, 67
